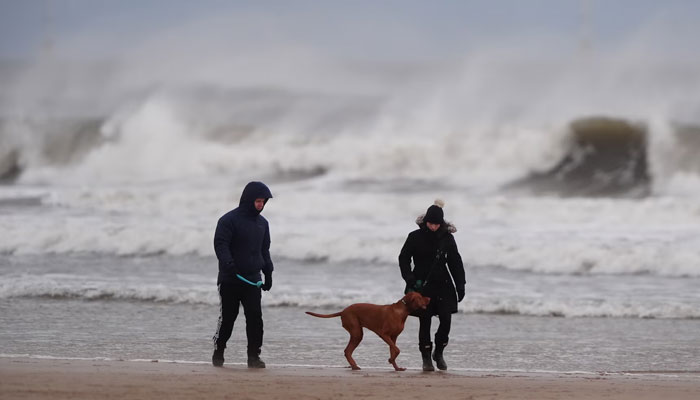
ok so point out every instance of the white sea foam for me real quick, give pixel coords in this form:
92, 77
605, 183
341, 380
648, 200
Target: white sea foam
315, 221
316, 289
494, 115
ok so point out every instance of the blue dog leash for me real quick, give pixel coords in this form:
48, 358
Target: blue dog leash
256, 284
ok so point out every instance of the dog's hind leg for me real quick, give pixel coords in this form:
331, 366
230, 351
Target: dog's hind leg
355, 331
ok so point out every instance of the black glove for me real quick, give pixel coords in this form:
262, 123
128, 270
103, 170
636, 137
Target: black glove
460, 294
232, 267
268, 282
410, 282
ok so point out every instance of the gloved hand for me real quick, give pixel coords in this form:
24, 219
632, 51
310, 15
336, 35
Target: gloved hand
418, 285
410, 283
460, 293
410, 280
232, 267
268, 282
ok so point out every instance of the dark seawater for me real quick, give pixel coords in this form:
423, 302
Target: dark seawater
93, 324
131, 330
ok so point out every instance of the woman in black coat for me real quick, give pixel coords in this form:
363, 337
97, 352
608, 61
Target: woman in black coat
437, 273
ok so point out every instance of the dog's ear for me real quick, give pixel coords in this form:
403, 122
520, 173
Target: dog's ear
420, 301
415, 300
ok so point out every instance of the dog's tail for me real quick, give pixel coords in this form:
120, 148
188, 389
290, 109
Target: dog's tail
323, 315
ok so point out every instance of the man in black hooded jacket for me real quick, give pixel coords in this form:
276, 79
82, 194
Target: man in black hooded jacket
438, 273
242, 245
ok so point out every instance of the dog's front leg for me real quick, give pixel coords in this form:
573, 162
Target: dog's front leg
393, 350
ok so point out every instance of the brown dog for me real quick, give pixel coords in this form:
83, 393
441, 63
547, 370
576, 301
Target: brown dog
386, 321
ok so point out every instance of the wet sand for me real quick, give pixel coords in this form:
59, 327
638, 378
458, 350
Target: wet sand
25, 378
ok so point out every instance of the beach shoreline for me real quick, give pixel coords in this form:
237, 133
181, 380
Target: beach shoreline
25, 378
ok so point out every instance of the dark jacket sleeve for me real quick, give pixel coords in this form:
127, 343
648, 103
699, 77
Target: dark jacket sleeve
454, 262
222, 245
268, 267
405, 261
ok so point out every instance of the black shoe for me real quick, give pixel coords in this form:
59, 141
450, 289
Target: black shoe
217, 359
439, 359
255, 362
425, 354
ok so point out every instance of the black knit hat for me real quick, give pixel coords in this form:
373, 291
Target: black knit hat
435, 215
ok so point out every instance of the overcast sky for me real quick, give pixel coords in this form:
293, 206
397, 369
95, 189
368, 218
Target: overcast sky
357, 29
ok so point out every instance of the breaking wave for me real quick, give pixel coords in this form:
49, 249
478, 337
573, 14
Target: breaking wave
621, 122
606, 157
169, 139
308, 299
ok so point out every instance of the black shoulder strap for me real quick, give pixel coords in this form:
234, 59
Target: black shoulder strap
440, 255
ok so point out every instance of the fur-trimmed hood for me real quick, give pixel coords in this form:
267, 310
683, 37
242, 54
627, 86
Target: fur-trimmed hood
448, 225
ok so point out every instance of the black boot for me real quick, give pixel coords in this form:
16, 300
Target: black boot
437, 356
425, 350
218, 357
254, 360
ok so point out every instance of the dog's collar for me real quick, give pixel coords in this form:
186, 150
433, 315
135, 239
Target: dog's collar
404, 302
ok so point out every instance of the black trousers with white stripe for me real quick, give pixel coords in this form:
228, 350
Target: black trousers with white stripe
232, 296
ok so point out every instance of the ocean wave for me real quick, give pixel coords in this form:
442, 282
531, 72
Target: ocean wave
325, 221
579, 252
337, 299
56, 142
295, 136
606, 157
599, 308
48, 288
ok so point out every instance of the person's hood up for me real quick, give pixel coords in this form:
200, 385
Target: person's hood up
253, 190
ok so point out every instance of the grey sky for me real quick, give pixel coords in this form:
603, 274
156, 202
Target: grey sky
491, 57
404, 29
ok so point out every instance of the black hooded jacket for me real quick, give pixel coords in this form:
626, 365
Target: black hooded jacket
242, 238
442, 279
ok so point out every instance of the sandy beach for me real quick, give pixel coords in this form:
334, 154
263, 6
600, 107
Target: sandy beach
25, 378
